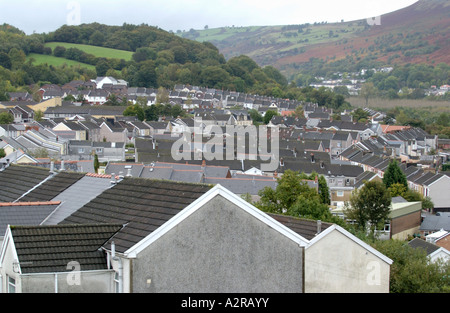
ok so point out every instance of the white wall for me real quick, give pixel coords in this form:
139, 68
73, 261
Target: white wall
337, 264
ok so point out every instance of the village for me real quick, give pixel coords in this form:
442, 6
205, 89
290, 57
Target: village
50, 177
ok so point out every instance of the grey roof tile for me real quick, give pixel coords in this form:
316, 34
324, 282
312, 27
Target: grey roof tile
24, 213
16, 180
43, 249
142, 204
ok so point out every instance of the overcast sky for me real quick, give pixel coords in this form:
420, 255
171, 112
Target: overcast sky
45, 16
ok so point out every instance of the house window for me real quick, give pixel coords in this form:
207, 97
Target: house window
80, 150
99, 150
340, 193
11, 285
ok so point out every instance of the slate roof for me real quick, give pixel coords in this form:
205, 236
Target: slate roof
304, 227
24, 213
436, 222
43, 249
243, 185
142, 204
77, 195
418, 243
52, 187
16, 180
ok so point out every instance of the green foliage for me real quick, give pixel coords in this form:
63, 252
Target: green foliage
96, 163
143, 55
294, 197
6, 118
394, 175
153, 112
324, 192
2, 153
268, 116
369, 205
359, 115
135, 110
411, 272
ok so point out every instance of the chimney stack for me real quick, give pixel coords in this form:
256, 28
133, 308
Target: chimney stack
319, 226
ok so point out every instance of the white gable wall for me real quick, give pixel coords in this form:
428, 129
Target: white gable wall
329, 267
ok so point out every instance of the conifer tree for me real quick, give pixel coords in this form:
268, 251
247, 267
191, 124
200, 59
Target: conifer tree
394, 175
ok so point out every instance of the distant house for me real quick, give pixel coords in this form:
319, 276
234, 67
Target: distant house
433, 251
140, 129
157, 128
113, 133
97, 96
19, 267
433, 223
405, 220
106, 151
71, 130
440, 238
20, 96
339, 142
100, 81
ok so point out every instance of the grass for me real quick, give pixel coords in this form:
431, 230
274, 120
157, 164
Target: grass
52, 60
378, 103
94, 50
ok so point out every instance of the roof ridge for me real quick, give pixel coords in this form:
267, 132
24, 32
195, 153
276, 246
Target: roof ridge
100, 175
29, 203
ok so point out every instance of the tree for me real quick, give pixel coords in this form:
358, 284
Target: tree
96, 163
2, 153
411, 271
394, 175
162, 96
102, 67
5, 60
324, 192
6, 118
294, 197
112, 100
59, 51
255, 116
369, 205
368, 90
268, 116
359, 115
38, 115
135, 110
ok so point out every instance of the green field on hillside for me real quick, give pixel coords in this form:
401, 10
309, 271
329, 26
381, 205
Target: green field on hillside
94, 50
51, 60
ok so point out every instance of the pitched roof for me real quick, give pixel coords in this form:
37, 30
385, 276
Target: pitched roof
77, 195
436, 222
52, 187
142, 204
16, 180
25, 213
304, 227
418, 243
43, 249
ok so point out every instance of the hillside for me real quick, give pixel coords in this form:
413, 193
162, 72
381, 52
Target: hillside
94, 50
144, 56
419, 33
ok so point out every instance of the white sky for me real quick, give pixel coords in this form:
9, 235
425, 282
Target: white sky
45, 16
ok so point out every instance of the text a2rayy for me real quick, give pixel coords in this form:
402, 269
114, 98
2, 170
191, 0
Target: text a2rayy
229, 303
